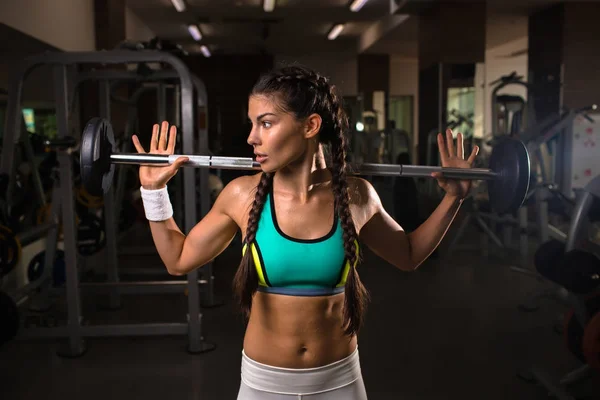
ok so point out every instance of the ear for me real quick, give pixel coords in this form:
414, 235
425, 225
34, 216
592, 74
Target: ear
312, 126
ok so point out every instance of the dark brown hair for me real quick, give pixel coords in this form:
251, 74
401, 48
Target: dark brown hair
303, 92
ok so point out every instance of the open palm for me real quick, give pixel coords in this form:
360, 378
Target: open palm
162, 142
452, 155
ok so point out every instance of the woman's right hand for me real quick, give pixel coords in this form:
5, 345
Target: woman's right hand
163, 142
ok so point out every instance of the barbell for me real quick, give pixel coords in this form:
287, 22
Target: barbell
508, 175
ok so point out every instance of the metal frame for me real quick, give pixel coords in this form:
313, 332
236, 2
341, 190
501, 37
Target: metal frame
74, 331
208, 299
529, 108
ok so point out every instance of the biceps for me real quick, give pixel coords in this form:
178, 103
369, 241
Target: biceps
386, 238
207, 240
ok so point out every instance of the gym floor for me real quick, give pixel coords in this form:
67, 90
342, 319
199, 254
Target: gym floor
451, 330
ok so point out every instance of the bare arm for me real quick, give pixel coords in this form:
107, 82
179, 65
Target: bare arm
386, 238
182, 254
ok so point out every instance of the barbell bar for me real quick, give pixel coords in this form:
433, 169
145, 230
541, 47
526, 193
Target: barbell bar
508, 176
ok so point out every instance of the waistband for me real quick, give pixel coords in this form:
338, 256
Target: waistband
302, 292
301, 381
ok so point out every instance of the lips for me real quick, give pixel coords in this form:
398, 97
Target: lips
260, 157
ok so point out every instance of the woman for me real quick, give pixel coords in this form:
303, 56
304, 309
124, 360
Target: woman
301, 223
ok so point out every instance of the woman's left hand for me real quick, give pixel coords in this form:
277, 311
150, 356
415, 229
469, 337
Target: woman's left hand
452, 156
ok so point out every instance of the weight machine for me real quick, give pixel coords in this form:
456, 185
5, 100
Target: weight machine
511, 114
64, 78
581, 310
551, 146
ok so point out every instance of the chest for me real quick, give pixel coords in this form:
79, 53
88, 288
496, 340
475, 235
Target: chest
301, 221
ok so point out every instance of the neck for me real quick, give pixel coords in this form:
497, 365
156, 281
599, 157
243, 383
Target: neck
303, 176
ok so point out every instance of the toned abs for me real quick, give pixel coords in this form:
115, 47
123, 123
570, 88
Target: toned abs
289, 331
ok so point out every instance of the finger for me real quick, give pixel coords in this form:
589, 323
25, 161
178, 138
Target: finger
164, 132
178, 163
154, 139
450, 143
474, 153
439, 177
443, 149
172, 136
460, 146
137, 144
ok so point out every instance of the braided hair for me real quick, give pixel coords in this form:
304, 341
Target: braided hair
303, 92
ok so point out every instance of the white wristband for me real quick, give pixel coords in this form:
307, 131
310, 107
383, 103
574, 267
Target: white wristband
157, 204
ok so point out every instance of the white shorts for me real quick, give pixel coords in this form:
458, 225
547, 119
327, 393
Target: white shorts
340, 380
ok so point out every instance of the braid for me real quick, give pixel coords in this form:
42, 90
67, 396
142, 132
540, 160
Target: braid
356, 299
245, 281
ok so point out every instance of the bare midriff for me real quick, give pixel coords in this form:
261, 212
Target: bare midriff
296, 331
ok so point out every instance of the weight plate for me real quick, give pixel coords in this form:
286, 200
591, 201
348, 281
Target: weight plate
574, 332
510, 160
591, 342
97, 145
547, 258
10, 251
579, 271
90, 235
35, 269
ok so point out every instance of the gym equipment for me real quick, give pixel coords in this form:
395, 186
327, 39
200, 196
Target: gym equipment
508, 175
35, 269
91, 237
10, 251
67, 77
579, 271
88, 201
510, 111
591, 342
583, 308
9, 315
573, 331
547, 258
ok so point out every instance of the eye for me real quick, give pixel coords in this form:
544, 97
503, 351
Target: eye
266, 124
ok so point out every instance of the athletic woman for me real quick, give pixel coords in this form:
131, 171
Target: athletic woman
303, 222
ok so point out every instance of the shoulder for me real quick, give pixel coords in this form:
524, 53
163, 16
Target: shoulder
362, 193
242, 186
238, 195
364, 201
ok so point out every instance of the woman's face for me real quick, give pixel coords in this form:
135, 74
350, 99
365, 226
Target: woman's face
277, 137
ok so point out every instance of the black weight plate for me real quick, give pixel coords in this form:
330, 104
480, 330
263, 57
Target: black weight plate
35, 269
547, 259
9, 317
91, 237
579, 271
10, 251
97, 145
510, 160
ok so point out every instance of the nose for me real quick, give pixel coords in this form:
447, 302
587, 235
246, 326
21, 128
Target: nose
253, 137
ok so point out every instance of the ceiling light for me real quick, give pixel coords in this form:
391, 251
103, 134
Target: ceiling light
335, 31
195, 32
357, 5
269, 5
179, 5
205, 51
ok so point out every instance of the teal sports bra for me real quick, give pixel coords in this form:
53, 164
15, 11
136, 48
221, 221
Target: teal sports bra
298, 267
